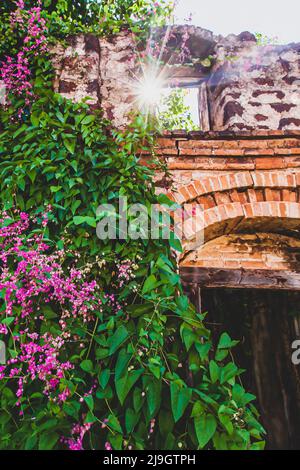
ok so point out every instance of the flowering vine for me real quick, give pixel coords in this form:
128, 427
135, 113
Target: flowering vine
16, 71
104, 350
30, 281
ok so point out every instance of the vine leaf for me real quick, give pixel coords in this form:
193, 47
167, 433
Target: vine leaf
205, 427
125, 383
180, 398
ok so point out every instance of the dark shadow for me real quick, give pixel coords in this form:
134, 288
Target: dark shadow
266, 323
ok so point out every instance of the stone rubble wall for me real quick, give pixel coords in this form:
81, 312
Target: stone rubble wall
245, 86
255, 87
98, 69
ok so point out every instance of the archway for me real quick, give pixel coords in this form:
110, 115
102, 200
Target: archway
246, 274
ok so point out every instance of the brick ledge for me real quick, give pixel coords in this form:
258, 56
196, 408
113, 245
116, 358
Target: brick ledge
230, 135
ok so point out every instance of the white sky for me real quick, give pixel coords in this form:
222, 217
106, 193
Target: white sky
274, 18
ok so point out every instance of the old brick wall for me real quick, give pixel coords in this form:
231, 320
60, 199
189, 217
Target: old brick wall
248, 186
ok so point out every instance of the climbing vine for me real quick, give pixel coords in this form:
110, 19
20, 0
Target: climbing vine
104, 350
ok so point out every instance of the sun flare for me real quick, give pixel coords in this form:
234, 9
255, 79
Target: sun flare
149, 90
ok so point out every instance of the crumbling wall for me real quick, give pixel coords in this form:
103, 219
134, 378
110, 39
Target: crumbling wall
244, 86
77, 69
98, 70
255, 87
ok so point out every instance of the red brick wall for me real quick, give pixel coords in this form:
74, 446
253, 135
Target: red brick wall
246, 183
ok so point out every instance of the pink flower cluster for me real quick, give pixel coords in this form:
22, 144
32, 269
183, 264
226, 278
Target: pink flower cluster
37, 359
37, 274
15, 72
33, 283
29, 280
31, 22
78, 433
124, 273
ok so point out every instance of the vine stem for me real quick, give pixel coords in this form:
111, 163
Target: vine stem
93, 334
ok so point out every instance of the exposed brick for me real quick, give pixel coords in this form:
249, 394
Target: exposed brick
184, 193
210, 217
252, 195
206, 201
192, 191
208, 188
228, 152
169, 151
248, 210
282, 143
265, 197
232, 264
222, 212
293, 210
225, 181
222, 198
238, 196
289, 196
259, 151
243, 179
283, 209
215, 183
194, 152
253, 264
253, 144
179, 198
272, 194
260, 195
269, 163
233, 210
199, 187
164, 142
239, 164
261, 179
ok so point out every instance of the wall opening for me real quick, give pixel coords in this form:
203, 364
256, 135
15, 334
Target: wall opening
179, 108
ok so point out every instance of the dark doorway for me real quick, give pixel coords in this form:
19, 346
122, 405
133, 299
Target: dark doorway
266, 323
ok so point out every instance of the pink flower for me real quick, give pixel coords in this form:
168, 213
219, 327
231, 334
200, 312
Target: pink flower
108, 446
15, 71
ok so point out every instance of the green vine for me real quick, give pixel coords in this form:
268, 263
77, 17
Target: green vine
156, 380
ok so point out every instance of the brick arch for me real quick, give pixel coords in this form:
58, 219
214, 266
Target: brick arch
240, 201
223, 219
242, 186
246, 183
